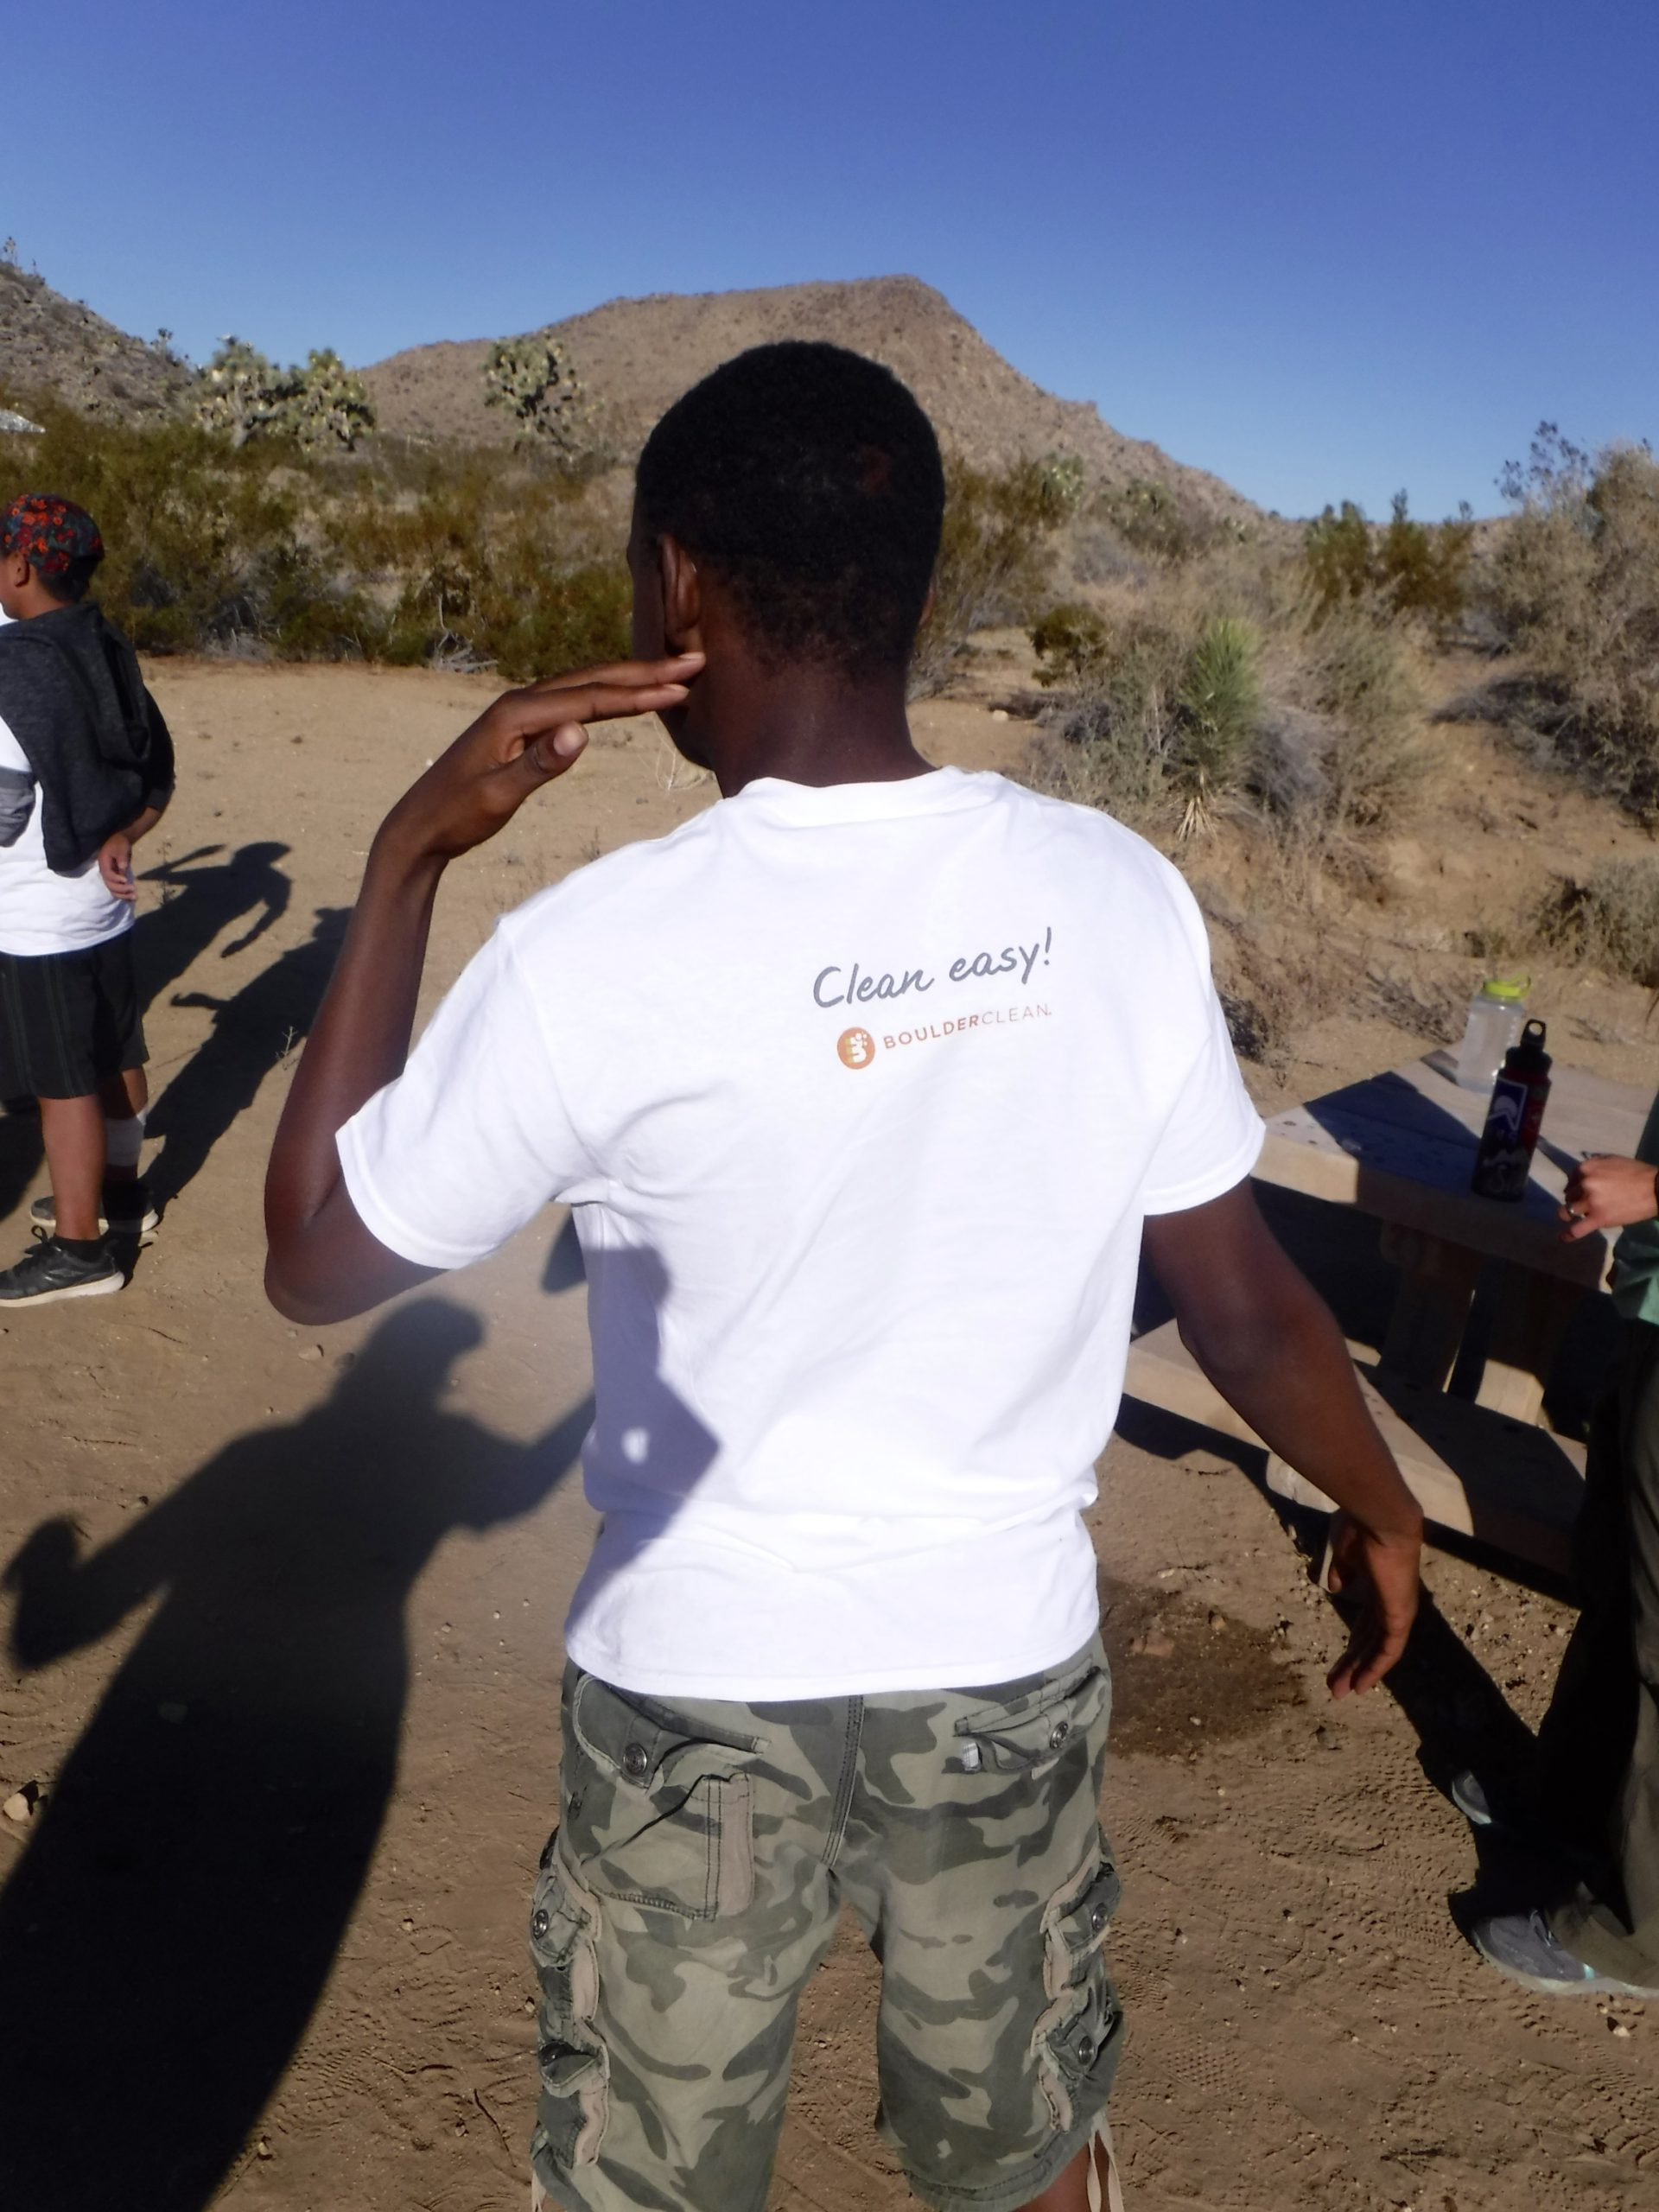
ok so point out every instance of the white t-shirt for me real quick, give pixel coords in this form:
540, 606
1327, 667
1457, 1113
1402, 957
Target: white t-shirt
41, 911
861, 1096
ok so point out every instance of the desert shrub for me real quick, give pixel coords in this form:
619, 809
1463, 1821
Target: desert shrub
323, 407
996, 556
532, 380
1352, 674
1227, 687
1407, 566
1070, 641
206, 542
480, 566
1610, 920
1574, 583
1148, 518
1155, 713
478, 559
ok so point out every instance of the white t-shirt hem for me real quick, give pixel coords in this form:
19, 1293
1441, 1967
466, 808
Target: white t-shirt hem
983, 1670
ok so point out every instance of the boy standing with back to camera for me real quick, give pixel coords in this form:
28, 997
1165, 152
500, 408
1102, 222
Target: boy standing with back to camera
86, 769
867, 1086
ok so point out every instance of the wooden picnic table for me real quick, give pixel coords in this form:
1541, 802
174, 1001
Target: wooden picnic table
1400, 1146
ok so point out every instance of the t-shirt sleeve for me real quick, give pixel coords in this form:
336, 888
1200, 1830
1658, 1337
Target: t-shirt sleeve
1214, 1135
473, 1138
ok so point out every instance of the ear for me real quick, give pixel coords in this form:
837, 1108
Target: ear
682, 597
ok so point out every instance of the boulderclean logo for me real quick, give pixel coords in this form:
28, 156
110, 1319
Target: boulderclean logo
856, 1048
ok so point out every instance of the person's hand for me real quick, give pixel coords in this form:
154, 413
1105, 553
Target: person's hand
44, 1559
114, 865
1605, 1192
1380, 1572
520, 742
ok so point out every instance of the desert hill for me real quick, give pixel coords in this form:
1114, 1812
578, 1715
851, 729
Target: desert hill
637, 356
51, 343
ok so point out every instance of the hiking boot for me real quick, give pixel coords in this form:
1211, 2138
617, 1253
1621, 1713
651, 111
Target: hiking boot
125, 1208
49, 1270
1522, 1946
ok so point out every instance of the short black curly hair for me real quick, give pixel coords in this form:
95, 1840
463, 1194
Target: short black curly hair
809, 480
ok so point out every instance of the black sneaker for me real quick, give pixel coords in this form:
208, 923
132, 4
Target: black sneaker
126, 1208
48, 1270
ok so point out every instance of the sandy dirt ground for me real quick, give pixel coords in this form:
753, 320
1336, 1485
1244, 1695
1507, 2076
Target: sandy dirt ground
284, 1614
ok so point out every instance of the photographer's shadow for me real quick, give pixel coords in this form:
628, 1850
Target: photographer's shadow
167, 1933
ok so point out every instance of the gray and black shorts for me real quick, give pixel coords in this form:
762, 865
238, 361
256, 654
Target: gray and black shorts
68, 1021
704, 1854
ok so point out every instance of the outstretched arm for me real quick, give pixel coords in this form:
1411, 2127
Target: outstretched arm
322, 1263
65, 1598
1270, 1345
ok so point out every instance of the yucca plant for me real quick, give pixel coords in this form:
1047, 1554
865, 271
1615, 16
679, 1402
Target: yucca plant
1219, 705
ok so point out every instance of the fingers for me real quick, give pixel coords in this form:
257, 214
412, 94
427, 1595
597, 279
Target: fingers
1373, 1648
673, 668
526, 713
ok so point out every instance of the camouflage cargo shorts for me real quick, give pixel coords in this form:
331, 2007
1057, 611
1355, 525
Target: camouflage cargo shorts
704, 1853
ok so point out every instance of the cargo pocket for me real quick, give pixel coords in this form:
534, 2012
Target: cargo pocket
574, 2064
1026, 1735
662, 1812
1078, 2037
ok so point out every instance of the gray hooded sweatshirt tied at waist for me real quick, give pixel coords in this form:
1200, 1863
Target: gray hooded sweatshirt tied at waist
72, 695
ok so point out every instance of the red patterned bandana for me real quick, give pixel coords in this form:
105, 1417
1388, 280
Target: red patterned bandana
52, 532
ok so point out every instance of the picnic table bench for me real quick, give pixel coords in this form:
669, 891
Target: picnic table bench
1400, 1146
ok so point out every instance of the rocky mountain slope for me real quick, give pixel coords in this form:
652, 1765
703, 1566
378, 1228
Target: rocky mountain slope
51, 343
637, 356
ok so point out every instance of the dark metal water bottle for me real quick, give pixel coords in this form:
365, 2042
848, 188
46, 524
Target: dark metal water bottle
1505, 1160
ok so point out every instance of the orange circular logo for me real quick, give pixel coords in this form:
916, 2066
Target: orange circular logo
856, 1048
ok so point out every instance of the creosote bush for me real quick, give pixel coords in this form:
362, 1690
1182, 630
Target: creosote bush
1228, 689
1610, 920
1575, 588
995, 555
478, 559
1407, 566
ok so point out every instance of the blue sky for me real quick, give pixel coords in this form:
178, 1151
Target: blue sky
1324, 249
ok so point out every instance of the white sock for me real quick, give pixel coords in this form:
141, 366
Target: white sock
123, 1139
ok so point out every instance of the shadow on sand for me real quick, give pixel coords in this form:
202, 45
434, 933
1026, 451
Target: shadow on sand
171, 1923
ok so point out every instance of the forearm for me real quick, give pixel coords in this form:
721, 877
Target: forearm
322, 1263
146, 821
357, 1045
1287, 1370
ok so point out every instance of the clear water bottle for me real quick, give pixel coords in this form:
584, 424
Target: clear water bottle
1498, 1013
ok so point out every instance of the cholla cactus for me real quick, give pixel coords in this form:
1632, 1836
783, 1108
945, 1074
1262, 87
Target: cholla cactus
532, 378
326, 405
1062, 480
242, 394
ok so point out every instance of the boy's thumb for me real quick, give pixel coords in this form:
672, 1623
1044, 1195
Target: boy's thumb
551, 754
